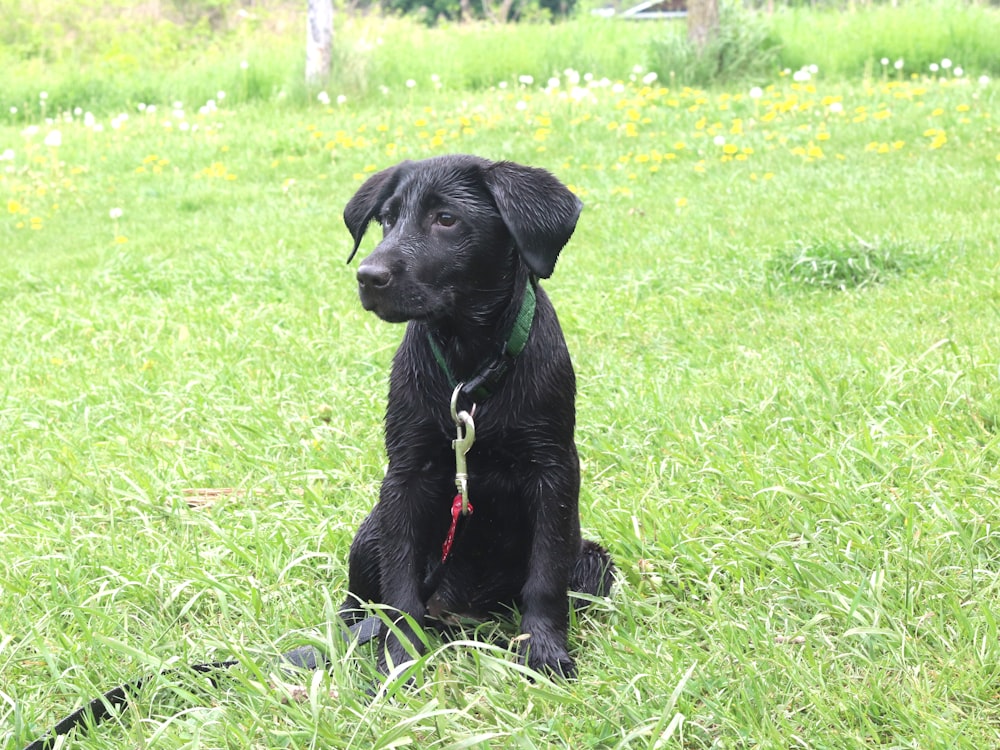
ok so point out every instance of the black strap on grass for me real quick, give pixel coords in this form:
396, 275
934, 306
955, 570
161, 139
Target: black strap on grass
485, 382
117, 699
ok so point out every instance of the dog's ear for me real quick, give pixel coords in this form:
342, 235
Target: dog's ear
539, 211
367, 203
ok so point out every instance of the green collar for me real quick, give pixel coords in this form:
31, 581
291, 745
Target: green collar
483, 384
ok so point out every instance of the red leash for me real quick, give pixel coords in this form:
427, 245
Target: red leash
456, 510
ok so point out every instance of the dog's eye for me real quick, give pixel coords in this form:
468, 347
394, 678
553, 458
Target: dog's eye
445, 219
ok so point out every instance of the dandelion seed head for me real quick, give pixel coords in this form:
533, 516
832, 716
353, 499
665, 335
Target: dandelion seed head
946, 63
410, 83
115, 213
756, 92
958, 71
898, 65
934, 67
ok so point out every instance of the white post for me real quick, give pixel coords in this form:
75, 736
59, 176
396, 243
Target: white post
319, 42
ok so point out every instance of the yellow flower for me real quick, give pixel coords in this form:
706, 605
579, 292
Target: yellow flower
681, 202
14, 207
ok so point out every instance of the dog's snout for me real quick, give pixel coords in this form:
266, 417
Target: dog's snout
374, 275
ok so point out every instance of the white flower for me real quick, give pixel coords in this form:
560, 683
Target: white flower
324, 98
898, 65
115, 213
756, 92
946, 63
719, 140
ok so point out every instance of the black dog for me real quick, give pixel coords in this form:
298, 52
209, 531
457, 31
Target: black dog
464, 242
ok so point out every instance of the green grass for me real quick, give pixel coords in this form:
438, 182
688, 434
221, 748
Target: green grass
797, 476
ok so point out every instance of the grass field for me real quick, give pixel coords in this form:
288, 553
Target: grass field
783, 309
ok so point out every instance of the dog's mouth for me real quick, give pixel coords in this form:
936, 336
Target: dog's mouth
396, 305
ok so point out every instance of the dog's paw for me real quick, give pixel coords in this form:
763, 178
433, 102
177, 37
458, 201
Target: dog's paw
549, 659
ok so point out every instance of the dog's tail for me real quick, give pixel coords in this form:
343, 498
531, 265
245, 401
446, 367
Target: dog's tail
593, 574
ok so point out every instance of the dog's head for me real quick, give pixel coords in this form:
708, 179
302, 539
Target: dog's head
454, 226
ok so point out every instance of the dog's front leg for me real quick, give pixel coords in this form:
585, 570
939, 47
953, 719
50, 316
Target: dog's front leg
402, 559
544, 597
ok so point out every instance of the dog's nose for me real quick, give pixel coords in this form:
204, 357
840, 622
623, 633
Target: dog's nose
373, 275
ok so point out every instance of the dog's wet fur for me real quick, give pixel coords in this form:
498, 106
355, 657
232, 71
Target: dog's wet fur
462, 238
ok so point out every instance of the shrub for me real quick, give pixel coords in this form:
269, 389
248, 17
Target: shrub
744, 48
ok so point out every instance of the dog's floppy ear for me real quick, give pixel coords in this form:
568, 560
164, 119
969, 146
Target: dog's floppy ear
539, 211
367, 202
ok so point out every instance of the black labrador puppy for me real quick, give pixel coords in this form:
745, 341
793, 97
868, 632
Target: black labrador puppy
483, 358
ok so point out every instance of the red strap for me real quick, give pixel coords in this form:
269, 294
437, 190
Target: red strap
456, 511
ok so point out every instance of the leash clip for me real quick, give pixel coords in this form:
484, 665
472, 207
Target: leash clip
465, 429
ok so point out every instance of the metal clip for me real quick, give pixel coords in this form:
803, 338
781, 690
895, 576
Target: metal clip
465, 436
